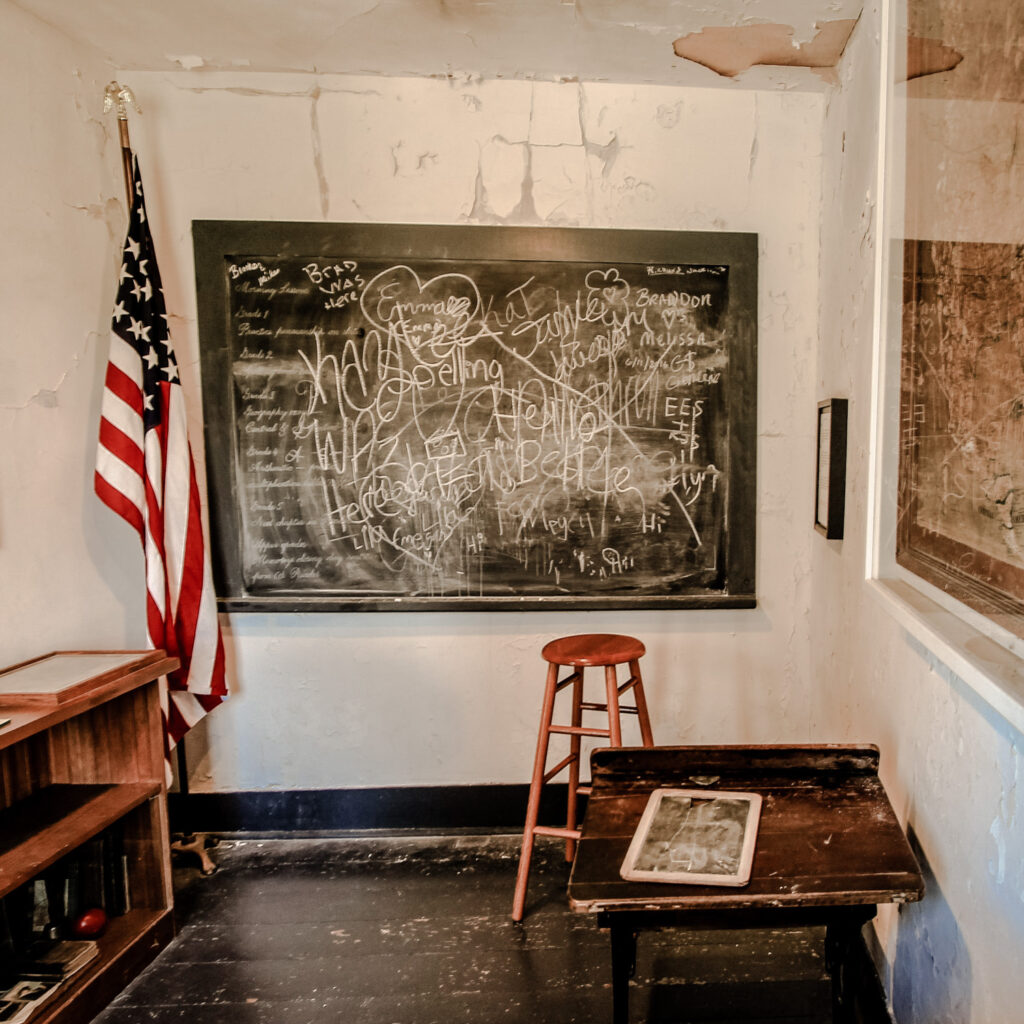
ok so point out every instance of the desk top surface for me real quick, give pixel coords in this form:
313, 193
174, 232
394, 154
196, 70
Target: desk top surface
39, 694
828, 835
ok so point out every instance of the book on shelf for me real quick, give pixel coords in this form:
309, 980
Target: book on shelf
20, 1001
40, 976
44, 909
56, 960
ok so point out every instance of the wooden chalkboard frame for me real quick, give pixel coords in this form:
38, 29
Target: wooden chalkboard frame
216, 241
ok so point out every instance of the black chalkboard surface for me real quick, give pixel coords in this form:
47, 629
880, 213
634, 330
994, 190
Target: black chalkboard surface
430, 417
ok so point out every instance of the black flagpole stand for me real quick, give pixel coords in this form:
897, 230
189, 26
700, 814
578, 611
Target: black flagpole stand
118, 97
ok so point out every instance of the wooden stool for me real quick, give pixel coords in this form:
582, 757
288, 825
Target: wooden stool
593, 650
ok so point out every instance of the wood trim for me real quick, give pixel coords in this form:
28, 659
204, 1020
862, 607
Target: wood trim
496, 807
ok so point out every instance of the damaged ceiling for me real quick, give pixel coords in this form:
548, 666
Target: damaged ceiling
763, 44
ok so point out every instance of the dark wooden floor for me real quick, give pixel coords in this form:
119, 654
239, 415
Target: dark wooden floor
416, 930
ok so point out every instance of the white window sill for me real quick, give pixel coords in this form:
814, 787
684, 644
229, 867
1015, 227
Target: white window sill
993, 672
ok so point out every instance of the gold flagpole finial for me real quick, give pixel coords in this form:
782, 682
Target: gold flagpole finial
117, 96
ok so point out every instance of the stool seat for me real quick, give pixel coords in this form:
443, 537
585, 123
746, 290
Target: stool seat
593, 649
588, 650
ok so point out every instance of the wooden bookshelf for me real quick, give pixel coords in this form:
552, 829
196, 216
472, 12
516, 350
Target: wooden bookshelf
83, 752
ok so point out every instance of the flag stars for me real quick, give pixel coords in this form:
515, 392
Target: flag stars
152, 359
172, 371
119, 311
134, 328
133, 247
125, 273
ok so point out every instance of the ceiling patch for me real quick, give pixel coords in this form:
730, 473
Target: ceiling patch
929, 57
730, 50
189, 62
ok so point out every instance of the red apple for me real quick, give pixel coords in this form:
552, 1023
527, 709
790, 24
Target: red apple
90, 923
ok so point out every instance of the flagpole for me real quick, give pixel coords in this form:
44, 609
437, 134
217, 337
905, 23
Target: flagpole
117, 97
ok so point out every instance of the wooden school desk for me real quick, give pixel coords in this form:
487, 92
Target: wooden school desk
829, 848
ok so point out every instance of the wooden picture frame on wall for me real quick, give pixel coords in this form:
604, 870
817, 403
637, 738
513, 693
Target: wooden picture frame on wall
961, 475
830, 478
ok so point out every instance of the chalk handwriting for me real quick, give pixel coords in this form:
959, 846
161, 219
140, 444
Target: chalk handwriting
420, 429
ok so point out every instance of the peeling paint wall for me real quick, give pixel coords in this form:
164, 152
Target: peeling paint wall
951, 767
62, 221
555, 40
731, 50
376, 699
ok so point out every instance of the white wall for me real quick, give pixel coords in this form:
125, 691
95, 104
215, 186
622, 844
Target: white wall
62, 223
366, 699
950, 765
376, 699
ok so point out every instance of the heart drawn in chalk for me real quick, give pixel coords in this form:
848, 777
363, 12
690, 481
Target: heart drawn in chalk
418, 312
612, 288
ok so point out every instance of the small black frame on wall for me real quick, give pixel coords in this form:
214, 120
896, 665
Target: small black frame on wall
830, 487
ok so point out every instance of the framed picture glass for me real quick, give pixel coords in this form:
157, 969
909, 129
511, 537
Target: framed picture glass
694, 836
830, 492
961, 503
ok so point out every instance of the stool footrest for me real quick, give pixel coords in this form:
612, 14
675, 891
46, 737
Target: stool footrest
587, 705
552, 772
562, 684
628, 684
578, 730
560, 833
584, 790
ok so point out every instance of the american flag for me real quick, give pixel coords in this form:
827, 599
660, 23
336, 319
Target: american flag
145, 473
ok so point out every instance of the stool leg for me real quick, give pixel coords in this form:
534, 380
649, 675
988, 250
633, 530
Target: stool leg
536, 783
611, 683
641, 705
574, 764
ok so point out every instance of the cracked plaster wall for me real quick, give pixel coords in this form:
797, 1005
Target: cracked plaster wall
950, 765
482, 151
62, 221
316, 695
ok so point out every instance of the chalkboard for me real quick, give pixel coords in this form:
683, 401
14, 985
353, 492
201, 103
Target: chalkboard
437, 417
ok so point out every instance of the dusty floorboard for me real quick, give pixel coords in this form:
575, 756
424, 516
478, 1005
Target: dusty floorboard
416, 930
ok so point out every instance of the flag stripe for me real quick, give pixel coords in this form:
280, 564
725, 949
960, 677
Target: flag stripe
116, 500
123, 474
177, 495
124, 358
124, 413
119, 445
145, 473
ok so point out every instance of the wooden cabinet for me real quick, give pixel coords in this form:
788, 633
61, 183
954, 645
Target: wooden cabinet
83, 754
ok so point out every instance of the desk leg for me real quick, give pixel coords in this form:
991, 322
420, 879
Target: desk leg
623, 968
840, 938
